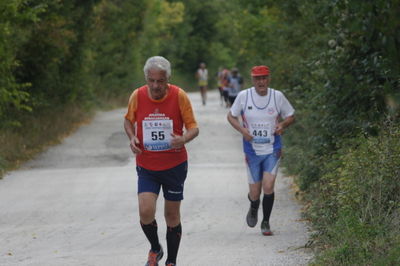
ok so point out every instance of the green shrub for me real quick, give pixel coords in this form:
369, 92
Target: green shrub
356, 204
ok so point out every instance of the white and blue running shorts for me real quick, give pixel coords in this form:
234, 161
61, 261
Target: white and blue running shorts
258, 164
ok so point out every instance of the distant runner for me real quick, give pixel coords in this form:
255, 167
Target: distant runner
154, 122
202, 78
225, 77
235, 85
260, 108
220, 85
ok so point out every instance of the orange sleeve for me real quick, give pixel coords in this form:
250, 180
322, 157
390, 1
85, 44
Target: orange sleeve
186, 110
132, 107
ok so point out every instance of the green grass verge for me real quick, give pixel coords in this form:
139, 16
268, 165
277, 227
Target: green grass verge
355, 205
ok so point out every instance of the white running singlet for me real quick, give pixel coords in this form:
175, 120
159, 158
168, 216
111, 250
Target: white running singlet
260, 116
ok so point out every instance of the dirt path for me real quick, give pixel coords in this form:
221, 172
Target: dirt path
76, 203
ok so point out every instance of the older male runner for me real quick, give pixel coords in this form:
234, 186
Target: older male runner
260, 108
157, 115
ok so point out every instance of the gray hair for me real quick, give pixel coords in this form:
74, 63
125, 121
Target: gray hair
157, 62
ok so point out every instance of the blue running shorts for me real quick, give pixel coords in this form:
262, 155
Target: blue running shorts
258, 164
171, 180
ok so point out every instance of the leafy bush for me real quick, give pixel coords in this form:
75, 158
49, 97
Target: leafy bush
14, 16
356, 204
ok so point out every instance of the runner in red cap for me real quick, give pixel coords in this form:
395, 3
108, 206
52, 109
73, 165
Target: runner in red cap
265, 113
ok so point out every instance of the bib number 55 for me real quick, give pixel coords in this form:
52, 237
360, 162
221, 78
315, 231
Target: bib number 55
157, 135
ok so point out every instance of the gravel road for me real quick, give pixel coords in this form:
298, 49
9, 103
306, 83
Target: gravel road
75, 204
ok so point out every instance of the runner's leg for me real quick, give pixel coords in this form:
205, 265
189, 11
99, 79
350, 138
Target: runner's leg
205, 94
221, 95
203, 91
147, 209
255, 191
269, 196
174, 228
270, 171
268, 183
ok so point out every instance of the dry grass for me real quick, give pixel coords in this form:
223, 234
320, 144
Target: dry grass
37, 132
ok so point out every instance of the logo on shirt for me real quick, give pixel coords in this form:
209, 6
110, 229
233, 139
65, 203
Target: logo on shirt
249, 107
271, 110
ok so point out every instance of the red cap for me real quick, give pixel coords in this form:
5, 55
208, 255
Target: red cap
259, 71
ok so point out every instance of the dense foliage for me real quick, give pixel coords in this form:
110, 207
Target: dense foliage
358, 208
56, 52
336, 61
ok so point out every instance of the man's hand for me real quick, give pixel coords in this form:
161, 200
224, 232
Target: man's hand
177, 141
234, 121
279, 129
246, 134
134, 142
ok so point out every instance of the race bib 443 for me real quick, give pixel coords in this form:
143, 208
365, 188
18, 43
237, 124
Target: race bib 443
261, 133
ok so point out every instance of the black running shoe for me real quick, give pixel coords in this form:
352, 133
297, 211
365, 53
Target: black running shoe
251, 217
265, 228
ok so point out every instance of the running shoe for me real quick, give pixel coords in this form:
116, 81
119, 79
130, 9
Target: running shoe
154, 257
265, 228
251, 217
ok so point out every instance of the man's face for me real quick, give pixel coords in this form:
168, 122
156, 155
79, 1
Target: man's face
158, 83
261, 83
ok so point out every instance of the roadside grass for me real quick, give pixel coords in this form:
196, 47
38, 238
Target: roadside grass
352, 242
355, 206
37, 132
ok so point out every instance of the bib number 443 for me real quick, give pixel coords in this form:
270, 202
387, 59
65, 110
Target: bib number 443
260, 133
